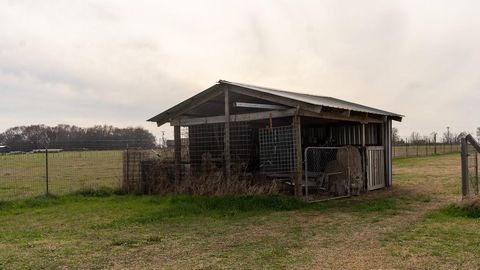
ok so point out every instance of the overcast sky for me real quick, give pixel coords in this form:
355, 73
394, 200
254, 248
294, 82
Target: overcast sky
121, 62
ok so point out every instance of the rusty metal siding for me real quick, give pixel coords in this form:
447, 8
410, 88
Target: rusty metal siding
352, 134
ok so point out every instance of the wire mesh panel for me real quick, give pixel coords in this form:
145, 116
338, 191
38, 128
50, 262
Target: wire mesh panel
473, 187
22, 174
329, 171
73, 170
89, 165
206, 148
277, 150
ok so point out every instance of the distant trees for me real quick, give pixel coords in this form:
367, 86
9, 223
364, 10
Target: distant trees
415, 137
448, 137
395, 136
64, 136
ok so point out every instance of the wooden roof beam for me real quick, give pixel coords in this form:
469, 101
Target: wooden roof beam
187, 105
276, 99
192, 121
341, 116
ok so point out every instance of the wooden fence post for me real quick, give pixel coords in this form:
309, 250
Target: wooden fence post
226, 139
464, 156
177, 156
298, 154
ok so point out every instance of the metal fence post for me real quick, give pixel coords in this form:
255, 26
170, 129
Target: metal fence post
46, 171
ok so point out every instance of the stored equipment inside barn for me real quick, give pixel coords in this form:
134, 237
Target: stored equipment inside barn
319, 146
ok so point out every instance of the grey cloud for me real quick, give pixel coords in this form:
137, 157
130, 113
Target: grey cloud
89, 62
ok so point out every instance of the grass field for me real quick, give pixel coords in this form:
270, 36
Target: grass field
24, 175
411, 225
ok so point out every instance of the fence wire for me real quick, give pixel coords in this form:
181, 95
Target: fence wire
473, 188
424, 149
32, 172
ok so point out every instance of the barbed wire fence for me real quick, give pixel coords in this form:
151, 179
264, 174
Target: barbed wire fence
90, 165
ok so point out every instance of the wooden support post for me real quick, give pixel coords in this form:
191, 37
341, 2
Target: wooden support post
178, 156
298, 156
364, 153
476, 172
464, 156
227, 137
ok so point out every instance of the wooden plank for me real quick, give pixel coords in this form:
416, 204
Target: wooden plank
340, 116
364, 160
177, 155
464, 162
187, 105
191, 121
259, 106
298, 156
276, 99
227, 136
375, 167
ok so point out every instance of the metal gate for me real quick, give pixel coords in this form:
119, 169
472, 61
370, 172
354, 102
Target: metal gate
375, 167
327, 173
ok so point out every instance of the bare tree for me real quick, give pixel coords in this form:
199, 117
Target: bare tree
395, 136
415, 137
448, 137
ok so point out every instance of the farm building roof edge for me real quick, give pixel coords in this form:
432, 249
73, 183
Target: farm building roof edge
295, 96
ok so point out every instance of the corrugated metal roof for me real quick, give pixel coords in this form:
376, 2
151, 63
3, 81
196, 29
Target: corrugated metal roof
315, 100
300, 98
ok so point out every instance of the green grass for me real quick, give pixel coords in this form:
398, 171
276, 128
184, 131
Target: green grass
24, 175
412, 225
91, 224
450, 236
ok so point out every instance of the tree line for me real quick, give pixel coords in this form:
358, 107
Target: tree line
69, 137
415, 137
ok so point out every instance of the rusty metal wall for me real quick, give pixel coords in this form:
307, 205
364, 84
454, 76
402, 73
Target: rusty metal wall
342, 135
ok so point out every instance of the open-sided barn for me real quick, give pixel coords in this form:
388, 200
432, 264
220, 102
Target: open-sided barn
315, 144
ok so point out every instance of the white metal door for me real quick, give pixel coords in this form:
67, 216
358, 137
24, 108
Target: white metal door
375, 167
